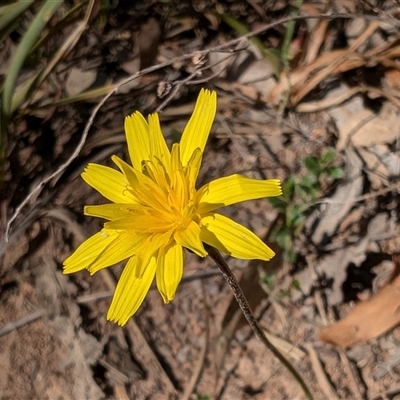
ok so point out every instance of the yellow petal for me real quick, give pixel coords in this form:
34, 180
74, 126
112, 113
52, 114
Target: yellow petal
198, 128
124, 246
122, 165
114, 211
232, 238
142, 187
131, 290
157, 172
137, 137
169, 271
150, 248
190, 238
234, 189
89, 251
140, 223
109, 183
176, 163
158, 147
193, 167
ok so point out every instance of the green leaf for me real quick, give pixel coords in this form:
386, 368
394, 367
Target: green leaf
296, 284
291, 256
268, 280
298, 220
312, 164
328, 156
276, 232
295, 215
309, 181
309, 189
288, 189
335, 172
282, 238
282, 294
278, 203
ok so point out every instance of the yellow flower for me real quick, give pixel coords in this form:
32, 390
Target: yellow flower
156, 210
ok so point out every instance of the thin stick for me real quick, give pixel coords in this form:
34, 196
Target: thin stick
248, 313
11, 326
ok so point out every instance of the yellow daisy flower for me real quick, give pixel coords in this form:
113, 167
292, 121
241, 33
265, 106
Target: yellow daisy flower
156, 210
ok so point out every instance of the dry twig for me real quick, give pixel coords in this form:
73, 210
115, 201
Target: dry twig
11, 326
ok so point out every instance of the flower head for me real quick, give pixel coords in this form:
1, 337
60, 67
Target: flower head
156, 210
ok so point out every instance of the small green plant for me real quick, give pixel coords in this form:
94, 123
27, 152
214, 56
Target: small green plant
203, 397
295, 285
299, 193
267, 282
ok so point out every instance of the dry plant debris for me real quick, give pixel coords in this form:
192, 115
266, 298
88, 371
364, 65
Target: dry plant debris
309, 95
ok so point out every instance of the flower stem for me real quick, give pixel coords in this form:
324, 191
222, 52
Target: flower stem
248, 313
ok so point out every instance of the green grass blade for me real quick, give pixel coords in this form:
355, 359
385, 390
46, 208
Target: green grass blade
22, 92
24, 48
65, 20
85, 96
285, 53
11, 12
270, 54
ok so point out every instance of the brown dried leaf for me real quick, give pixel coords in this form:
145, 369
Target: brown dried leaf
362, 127
369, 319
393, 78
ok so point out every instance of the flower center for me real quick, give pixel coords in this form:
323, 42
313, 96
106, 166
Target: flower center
169, 195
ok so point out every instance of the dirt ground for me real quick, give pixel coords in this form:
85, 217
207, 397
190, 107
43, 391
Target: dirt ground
308, 92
